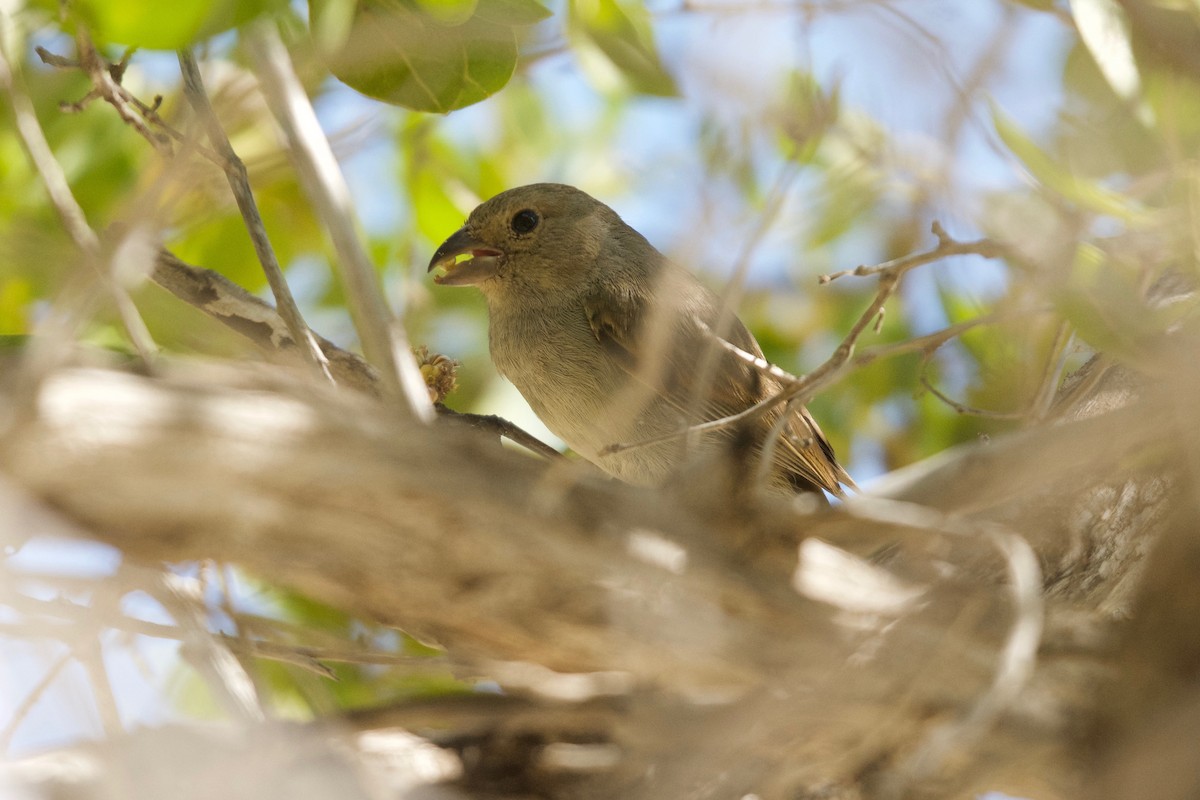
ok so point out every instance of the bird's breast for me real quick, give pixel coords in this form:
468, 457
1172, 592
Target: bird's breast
581, 392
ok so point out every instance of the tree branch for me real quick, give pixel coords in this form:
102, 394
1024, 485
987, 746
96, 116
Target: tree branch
383, 338
239, 184
505, 559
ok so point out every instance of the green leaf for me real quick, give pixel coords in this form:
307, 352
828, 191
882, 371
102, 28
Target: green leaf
1080, 191
448, 12
624, 36
436, 213
16, 302
420, 54
148, 24
1103, 301
515, 12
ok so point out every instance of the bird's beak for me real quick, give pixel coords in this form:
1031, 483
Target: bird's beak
479, 265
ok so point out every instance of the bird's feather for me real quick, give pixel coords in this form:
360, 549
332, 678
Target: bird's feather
652, 347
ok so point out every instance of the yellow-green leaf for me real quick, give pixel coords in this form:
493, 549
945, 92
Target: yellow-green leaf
624, 36
448, 12
406, 54
150, 24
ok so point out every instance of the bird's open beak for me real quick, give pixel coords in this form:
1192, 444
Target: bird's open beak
479, 265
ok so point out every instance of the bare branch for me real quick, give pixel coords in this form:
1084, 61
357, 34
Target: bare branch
115, 94
502, 427
1056, 359
836, 365
233, 306
960, 408
21, 711
383, 338
106, 85
225, 677
732, 292
945, 248
239, 183
326, 494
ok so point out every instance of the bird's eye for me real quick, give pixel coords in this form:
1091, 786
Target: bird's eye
525, 220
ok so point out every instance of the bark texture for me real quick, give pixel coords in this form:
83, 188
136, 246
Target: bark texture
983, 622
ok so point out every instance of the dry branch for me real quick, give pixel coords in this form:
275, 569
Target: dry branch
507, 560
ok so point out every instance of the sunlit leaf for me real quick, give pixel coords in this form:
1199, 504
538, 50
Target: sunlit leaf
437, 215
150, 24
623, 34
512, 12
16, 295
808, 113
413, 55
448, 12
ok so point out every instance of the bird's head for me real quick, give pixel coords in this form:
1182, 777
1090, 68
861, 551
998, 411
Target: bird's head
543, 239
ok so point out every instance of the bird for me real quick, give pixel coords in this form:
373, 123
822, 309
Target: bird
615, 347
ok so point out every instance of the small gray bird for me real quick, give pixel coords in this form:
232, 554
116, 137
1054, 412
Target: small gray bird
608, 340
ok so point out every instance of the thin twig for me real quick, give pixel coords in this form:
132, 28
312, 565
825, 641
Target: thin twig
239, 183
35, 694
253, 318
502, 427
759, 363
91, 656
65, 614
74, 220
307, 656
115, 94
923, 344
105, 87
383, 338
890, 273
946, 247
731, 295
229, 682
242, 312
960, 408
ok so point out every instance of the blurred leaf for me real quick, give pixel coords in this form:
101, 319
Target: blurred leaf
332, 22
1104, 29
807, 115
847, 198
513, 12
1038, 5
427, 55
448, 12
623, 34
1084, 193
148, 24
437, 215
1103, 302
16, 294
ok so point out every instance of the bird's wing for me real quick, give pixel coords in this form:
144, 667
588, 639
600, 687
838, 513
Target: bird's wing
660, 352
